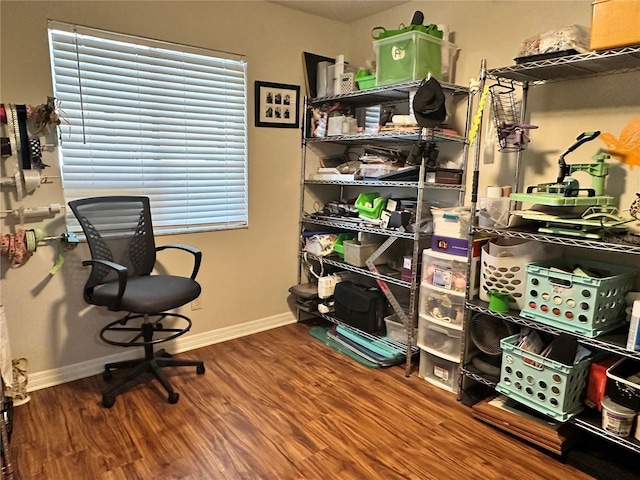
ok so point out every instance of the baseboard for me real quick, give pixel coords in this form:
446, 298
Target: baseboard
69, 373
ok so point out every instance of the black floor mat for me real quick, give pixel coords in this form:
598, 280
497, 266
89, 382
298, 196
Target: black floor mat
604, 460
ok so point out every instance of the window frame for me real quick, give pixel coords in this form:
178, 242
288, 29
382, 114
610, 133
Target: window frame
217, 155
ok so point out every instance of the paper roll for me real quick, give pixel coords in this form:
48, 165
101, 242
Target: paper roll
494, 192
31, 180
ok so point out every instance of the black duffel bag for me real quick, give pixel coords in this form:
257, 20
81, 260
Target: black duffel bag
361, 307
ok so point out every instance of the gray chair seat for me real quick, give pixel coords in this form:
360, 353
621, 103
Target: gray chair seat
149, 294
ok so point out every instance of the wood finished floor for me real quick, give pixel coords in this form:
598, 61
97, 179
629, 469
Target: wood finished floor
275, 405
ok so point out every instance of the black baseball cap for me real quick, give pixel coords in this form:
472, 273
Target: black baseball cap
428, 104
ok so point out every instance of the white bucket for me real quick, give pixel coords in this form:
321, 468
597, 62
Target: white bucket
616, 419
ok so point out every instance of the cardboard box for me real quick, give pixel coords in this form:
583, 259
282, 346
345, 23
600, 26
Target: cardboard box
615, 23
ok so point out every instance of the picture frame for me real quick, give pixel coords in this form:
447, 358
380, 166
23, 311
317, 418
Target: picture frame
277, 105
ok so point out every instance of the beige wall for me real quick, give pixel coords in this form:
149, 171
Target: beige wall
246, 273
494, 30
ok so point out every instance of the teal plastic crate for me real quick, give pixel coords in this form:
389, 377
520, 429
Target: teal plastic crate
547, 386
575, 303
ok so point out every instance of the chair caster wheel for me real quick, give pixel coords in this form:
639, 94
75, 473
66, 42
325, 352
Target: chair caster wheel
108, 401
200, 369
173, 397
107, 375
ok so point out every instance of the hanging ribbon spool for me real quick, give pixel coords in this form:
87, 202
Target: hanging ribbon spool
34, 212
19, 247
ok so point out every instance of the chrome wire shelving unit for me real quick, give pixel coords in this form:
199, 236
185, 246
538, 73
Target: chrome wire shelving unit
612, 342
590, 424
373, 184
361, 227
534, 73
398, 348
317, 191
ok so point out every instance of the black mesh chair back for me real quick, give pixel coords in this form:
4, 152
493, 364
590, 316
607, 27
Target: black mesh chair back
119, 233
117, 229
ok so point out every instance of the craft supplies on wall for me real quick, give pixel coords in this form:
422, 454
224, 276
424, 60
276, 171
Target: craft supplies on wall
18, 247
25, 126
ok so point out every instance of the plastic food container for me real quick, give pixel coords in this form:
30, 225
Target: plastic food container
616, 419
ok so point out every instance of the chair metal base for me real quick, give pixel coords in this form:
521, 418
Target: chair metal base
153, 362
123, 334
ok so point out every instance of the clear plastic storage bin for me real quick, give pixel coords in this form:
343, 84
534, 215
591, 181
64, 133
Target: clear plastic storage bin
356, 254
438, 371
439, 340
451, 221
444, 270
443, 306
396, 330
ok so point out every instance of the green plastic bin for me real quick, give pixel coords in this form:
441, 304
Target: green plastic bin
412, 56
338, 247
370, 205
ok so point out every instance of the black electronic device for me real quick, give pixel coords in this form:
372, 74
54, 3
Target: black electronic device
418, 18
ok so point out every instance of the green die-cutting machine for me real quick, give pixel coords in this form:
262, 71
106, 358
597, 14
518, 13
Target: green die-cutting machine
599, 213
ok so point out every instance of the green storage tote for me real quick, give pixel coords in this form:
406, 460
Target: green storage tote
413, 56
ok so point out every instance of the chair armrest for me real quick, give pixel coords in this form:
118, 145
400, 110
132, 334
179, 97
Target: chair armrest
123, 275
197, 255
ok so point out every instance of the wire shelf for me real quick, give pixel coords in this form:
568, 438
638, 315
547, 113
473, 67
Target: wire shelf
614, 342
571, 67
395, 346
608, 246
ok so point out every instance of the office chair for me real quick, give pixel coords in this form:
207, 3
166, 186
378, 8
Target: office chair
123, 254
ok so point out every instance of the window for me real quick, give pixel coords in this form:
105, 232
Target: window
143, 117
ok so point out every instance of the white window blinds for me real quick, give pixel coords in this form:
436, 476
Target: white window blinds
142, 117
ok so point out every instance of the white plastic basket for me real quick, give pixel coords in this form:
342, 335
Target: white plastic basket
503, 268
